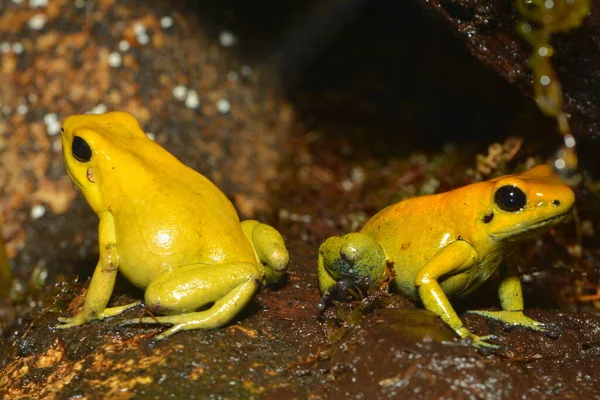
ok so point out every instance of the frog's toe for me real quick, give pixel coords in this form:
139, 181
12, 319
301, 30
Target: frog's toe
69, 322
64, 323
488, 337
481, 342
170, 331
347, 288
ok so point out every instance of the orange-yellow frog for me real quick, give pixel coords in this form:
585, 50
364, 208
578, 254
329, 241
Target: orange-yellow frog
168, 229
450, 243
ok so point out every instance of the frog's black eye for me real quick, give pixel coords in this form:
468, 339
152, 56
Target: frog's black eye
81, 150
510, 198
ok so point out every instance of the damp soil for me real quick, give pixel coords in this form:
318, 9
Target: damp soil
387, 106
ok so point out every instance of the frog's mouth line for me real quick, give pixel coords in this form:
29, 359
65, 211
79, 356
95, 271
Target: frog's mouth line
75, 181
518, 233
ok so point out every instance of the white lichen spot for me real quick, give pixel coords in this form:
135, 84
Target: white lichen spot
232, 76
560, 163
166, 22
99, 109
347, 185
38, 3
123, 45
543, 51
180, 92
143, 38
570, 141
32, 98
139, 28
545, 80
48, 118
37, 211
223, 106
358, 174
18, 48
37, 22
227, 39
284, 214
79, 3
5, 47
52, 124
22, 109
114, 59
192, 100
140, 33
246, 70
17, 1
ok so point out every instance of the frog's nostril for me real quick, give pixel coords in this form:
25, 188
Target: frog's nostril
556, 203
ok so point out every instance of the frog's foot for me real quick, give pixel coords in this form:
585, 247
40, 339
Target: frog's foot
481, 342
80, 319
356, 257
225, 288
353, 261
269, 249
345, 289
517, 318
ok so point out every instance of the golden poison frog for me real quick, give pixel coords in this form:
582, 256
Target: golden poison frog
165, 227
448, 244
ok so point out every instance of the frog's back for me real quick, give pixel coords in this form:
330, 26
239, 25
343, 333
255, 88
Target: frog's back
181, 205
410, 231
170, 213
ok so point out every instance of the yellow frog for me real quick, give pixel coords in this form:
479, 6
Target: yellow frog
168, 229
449, 244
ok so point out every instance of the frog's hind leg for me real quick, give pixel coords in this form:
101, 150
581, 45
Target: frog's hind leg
349, 261
179, 291
269, 249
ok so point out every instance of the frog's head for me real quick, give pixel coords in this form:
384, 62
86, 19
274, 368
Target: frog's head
102, 155
524, 205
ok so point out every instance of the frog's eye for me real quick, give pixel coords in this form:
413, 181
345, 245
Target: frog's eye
510, 198
81, 150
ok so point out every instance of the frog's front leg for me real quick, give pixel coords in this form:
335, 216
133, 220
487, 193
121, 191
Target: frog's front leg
452, 259
269, 249
103, 280
511, 300
179, 291
346, 262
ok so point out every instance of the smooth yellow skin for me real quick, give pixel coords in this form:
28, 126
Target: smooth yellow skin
447, 244
166, 228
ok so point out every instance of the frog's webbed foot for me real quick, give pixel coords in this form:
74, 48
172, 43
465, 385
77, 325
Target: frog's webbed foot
517, 318
354, 260
269, 249
80, 319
